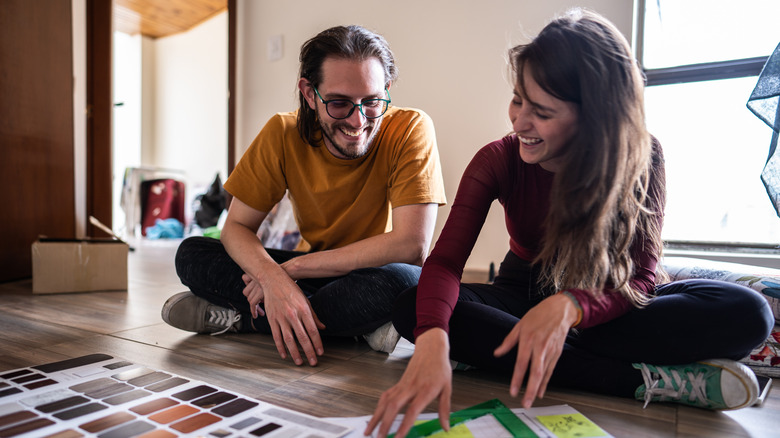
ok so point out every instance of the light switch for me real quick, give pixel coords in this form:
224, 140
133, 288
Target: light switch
275, 48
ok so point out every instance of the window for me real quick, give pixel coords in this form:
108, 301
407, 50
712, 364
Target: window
702, 59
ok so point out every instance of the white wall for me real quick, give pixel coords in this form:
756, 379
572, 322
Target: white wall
126, 116
188, 126
148, 100
452, 60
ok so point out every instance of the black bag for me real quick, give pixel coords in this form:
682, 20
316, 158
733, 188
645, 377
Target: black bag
209, 206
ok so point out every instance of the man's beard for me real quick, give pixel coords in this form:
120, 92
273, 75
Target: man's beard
329, 131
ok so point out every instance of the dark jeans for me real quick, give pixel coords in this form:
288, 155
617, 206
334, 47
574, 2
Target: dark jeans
350, 305
686, 322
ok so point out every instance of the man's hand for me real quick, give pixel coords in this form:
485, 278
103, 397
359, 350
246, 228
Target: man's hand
539, 337
254, 294
289, 313
291, 318
428, 376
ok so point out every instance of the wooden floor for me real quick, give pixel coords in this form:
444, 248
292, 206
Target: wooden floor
349, 379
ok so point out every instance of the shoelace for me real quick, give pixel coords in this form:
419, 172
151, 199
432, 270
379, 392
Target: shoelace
225, 318
696, 392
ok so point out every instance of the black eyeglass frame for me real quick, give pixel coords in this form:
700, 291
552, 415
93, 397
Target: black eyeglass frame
358, 105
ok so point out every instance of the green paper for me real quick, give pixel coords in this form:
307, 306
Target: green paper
494, 407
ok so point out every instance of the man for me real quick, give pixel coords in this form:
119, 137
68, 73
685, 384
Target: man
365, 182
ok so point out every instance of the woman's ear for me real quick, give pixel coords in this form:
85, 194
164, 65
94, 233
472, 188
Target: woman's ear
306, 89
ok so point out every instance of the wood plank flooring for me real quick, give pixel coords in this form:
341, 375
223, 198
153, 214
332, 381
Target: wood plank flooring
348, 381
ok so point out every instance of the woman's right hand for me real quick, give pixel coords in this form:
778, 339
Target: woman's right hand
428, 376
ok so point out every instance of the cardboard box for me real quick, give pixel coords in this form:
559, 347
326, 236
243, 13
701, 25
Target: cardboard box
63, 265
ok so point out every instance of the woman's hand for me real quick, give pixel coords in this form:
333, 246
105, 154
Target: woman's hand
428, 376
539, 337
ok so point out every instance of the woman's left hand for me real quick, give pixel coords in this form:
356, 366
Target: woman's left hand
539, 337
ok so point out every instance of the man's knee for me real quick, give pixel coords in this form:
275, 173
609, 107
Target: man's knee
194, 251
195, 244
402, 275
183, 255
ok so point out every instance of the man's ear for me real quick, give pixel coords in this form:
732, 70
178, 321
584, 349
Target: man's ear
304, 86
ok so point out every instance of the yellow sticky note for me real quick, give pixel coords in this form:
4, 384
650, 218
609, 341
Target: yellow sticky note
571, 426
457, 431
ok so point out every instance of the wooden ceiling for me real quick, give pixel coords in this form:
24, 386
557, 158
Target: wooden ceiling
160, 18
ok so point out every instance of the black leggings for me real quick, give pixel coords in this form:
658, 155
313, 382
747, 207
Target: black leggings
349, 305
686, 322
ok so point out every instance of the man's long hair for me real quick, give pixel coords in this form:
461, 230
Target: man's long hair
346, 42
608, 191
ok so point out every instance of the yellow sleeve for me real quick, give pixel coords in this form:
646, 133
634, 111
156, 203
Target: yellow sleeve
416, 175
258, 178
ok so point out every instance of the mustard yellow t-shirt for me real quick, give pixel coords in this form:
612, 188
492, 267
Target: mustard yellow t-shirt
336, 201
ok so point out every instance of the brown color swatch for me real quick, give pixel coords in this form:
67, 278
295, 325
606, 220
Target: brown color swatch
194, 423
213, 400
16, 417
70, 433
158, 434
26, 427
193, 393
173, 414
235, 407
107, 422
153, 406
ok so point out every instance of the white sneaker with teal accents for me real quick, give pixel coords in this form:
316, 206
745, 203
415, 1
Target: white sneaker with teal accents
717, 384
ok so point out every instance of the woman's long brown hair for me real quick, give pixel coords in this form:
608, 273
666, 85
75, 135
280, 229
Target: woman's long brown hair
601, 199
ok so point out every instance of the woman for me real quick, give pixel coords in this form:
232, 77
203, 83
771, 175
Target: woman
576, 302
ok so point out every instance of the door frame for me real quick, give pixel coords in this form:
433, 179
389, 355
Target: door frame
99, 105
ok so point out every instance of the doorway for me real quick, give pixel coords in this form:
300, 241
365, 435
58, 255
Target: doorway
170, 101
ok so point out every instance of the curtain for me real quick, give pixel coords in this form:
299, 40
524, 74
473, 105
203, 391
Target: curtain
763, 103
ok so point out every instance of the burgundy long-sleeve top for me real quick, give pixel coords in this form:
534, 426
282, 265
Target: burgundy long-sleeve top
498, 172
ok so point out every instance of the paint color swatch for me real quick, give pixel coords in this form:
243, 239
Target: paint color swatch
102, 396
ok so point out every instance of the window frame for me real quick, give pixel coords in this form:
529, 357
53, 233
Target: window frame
701, 72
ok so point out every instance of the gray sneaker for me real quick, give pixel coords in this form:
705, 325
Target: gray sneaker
383, 339
185, 311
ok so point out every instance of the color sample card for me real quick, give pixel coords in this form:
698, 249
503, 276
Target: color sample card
102, 396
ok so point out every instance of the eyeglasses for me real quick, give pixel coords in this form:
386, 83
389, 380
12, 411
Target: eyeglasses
343, 108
